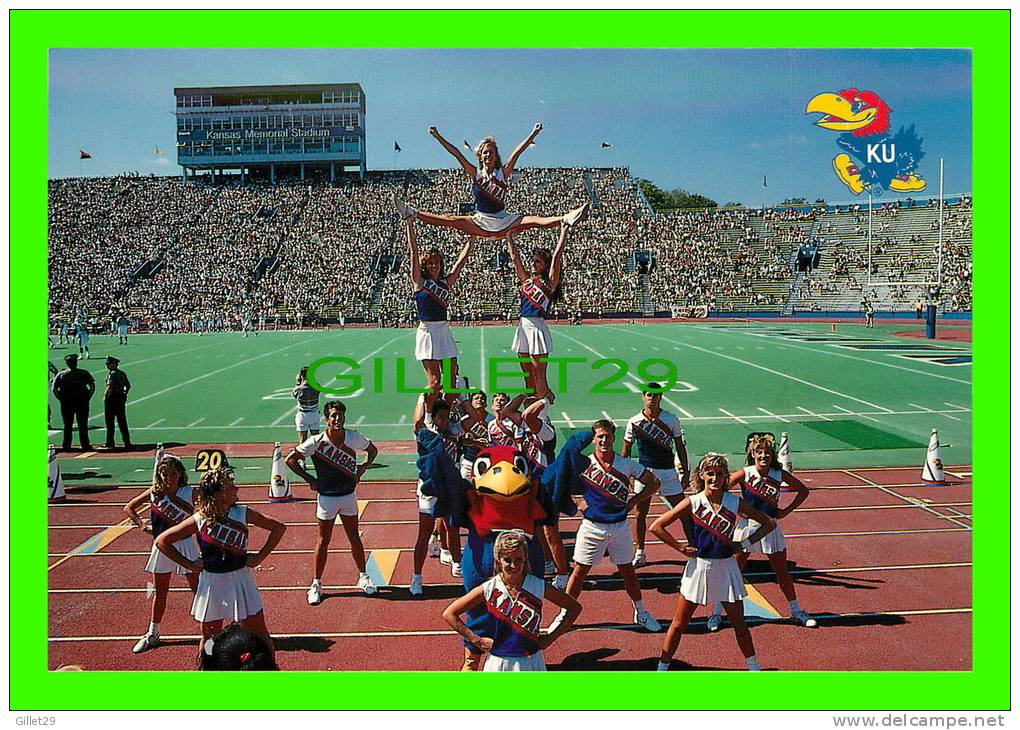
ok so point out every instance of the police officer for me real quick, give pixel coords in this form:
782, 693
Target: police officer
74, 387
114, 401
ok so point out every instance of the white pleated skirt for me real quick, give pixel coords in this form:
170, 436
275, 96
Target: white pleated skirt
772, 543
160, 563
229, 596
434, 341
495, 222
711, 580
533, 337
533, 663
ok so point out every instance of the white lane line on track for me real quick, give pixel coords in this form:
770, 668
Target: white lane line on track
910, 500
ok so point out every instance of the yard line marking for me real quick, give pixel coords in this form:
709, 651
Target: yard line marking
567, 419
286, 413
953, 405
403, 419
607, 416
483, 366
812, 413
854, 413
774, 372
172, 354
195, 423
929, 410
155, 423
686, 413
237, 421
361, 420
891, 493
737, 418
770, 413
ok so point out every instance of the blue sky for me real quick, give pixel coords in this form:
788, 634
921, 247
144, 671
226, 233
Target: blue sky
709, 121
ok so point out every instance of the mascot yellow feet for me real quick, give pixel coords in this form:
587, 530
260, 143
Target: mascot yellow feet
848, 173
909, 183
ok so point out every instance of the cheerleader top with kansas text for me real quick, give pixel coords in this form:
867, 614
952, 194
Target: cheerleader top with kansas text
170, 509
432, 300
533, 446
760, 492
711, 527
476, 436
655, 438
536, 298
504, 432
517, 620
224, 542
336, 466
491, 191
607, 488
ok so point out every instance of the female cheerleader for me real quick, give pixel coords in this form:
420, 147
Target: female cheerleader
490, 184
434, 342
760, 482
713, 575
515, 598
532, 338
226, 588
170, 503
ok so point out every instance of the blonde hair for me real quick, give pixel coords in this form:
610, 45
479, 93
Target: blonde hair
763, 440
208, 489
711, 460
510, 542
158, 486
489, 139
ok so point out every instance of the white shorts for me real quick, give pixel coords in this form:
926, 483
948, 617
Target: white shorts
532, 337
160, 563
327, 507
533, 663
226, 596
595, 539
426, 504
711, 580
772, 543
434, 341
495, 222
669, 484
307, 421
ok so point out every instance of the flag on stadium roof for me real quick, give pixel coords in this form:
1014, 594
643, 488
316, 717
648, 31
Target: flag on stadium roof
764, 181
83, 155
159, 152
396, 147
605, 145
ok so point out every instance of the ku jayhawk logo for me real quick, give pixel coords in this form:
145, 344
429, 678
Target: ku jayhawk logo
874, 160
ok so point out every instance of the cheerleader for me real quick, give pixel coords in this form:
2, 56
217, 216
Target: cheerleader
226, 589
532, 340
433, 341
713, 575
490, 185
171, 501
760, 482
514, 597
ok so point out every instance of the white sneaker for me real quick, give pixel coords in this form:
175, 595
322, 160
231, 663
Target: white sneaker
365, 583
446, 557
714, 621
434, 546
804, 619
405, 211
550, 567
560, 582
576, 215
639, 559
557, 621
645, 619
455, 570
149, 641
315, 595
416, 585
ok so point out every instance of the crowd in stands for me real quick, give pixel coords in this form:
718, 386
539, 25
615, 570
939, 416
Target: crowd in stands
186, 257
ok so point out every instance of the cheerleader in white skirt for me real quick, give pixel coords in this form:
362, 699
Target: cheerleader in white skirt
514, 597
713, 574
170, 503
226, 589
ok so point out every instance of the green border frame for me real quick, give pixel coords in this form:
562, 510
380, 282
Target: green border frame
986, 687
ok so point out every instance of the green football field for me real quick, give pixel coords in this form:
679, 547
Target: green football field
848, 398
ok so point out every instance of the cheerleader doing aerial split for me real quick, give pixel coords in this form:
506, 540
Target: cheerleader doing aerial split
490, 184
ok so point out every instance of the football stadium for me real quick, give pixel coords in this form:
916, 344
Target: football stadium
219, 312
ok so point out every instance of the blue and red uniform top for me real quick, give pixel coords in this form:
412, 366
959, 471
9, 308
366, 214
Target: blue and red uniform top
760, 492
655, 438
491, 192
536, 298
476, 436
170, 509
519, 620
712, 528
224, 543
336, 465
607, 488
432, 300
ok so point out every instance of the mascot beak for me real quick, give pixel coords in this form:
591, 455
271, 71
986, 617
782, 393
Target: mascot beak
839, 114
503, 481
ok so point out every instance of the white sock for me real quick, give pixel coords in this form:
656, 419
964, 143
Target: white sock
752, 664
316, 583
639, 605
362, 575
662, 667
794, 605
639, 551
153, 629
